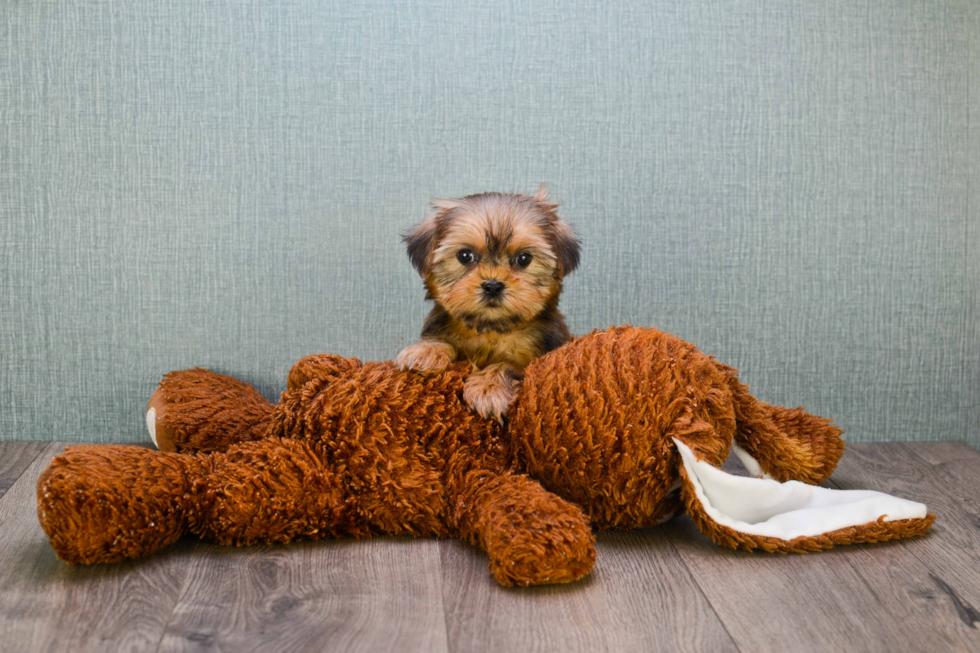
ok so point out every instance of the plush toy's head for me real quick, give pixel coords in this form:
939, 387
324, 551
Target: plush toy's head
632, 423
595, 421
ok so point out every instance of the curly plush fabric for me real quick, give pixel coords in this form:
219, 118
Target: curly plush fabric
357, 449
201, 410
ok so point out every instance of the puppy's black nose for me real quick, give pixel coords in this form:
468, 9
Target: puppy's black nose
492, 289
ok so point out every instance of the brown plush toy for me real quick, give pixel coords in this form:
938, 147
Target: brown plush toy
618, 429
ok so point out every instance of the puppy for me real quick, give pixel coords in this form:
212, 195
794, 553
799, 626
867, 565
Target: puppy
493, 264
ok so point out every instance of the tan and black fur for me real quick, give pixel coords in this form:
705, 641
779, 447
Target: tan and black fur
493, 264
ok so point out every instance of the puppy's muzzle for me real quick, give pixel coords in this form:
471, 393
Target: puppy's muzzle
492, 289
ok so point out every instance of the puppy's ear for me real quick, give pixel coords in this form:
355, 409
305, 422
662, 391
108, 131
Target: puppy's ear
446, 205
422, 238
563, 238
566, 246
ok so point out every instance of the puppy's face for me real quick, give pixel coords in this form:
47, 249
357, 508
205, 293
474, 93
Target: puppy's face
494, 261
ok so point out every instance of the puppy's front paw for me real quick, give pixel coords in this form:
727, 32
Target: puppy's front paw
426, 356
490, 394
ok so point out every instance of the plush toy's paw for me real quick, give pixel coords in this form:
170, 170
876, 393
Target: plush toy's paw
561, 555
160, 431
200, 410
318, 366
427, 356
491, 391
533, 537
109, 503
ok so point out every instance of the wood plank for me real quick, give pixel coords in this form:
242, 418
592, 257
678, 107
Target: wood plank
770, 602
483, 616
48, 605
851, 598
937, 575
638, 597
654, 602
14, 459
350, 595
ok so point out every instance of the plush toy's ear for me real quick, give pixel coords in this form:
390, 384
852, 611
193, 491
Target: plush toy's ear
761, 513
422, 238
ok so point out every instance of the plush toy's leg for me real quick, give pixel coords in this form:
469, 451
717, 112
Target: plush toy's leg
108, 503
753, 513
275, 491
200, 410
533, 537
789, 444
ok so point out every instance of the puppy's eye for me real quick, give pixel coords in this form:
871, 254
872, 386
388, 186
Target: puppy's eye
465, 256
523, 259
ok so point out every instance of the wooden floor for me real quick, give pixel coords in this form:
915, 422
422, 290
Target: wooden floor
661, 589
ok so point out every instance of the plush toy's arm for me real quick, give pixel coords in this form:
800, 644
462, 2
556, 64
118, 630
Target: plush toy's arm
532, 536
754, 513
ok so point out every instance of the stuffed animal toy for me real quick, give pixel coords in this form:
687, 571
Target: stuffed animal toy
621, 428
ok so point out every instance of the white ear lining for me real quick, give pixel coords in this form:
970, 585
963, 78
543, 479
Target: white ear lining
785, 511
751, 465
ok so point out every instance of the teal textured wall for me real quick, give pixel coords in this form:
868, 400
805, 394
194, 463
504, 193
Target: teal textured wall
792, 185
